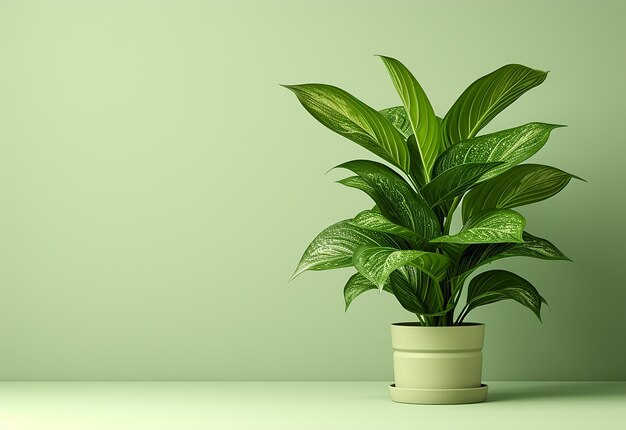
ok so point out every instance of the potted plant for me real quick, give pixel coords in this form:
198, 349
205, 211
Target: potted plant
404, 245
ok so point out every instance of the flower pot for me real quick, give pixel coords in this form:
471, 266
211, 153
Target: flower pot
437, 365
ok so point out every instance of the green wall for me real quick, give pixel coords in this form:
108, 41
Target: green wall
158, 186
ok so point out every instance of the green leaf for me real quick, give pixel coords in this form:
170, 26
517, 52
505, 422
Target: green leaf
519, 186
478, 255
486, 98
351, 118
372, 220
490, 226
395, 198
455, 182
357, 285
404, 286
510, 146
417, 169
403, 283
360, 184
424, 123
453, 250
416, 292
334, 246
397, 117
376, 263
495, 285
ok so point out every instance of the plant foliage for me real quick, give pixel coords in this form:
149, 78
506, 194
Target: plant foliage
403, 245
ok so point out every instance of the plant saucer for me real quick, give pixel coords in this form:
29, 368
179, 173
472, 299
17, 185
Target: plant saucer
438, 396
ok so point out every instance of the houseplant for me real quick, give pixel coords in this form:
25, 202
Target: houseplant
404, 245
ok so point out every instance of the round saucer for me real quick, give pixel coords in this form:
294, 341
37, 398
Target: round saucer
438, 396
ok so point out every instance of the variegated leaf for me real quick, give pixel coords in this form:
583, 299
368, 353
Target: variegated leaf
334, 246
357, 285
413, 290
490, 226
423, 121
395, 198
376, 263
417, 293
495, 285
417, 169
372, 220
405, 282
360, 184
521, 185
510, 146
455, 182
485, 98
397, 117
345, 114
477, 255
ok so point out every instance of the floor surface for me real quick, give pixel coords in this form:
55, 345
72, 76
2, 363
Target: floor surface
301, 405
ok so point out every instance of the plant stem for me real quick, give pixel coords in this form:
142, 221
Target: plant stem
462, 316
439, 292
450, 315
420, 319
446, 226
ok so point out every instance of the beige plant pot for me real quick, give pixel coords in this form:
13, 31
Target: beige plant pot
437, 365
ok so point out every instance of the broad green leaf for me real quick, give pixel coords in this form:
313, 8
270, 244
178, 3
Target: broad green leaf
404, 286
510, 146
334, 246
360, 184
417, 169
521, 185
486, 98
455, 182
453, 250
395, 198
490, 226
424, 123
495, 285
351, 118
397, 117
372, 220
414, 290
357, 285
376, 263
478, 255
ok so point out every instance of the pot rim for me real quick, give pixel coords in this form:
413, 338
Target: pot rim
414, 324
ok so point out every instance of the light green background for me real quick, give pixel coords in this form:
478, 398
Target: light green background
158, 186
